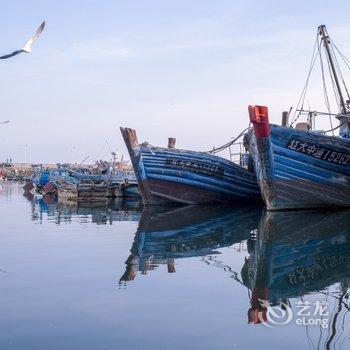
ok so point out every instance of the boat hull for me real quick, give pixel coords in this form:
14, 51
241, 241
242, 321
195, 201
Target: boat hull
298, 169
168, 175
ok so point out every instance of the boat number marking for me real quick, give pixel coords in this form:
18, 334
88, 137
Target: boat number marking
197, 167
303, 275
318, 152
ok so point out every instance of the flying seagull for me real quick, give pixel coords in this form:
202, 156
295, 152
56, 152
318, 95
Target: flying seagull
28, 46
5, 122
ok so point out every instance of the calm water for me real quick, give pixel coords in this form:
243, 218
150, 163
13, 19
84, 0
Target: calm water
176, 278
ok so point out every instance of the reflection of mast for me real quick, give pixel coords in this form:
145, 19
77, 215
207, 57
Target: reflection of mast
334, 327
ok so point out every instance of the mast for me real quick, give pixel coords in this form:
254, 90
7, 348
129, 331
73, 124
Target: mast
343, 117
325, 37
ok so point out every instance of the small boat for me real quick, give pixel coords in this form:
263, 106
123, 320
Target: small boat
302, 168
170, 175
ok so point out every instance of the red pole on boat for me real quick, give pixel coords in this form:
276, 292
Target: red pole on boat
259, 117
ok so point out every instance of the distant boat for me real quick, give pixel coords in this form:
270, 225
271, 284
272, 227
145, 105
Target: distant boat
171, 175
302, 168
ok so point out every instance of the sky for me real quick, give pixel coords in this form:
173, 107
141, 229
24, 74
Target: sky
184, 69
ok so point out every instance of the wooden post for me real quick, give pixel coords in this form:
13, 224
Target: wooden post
285, 118
171, 142
130, 139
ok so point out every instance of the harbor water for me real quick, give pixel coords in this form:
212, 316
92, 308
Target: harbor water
122, 277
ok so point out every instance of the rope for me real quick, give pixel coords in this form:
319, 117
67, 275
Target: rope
303, 93
340, 72
337, 127
301, 101
330, 115
228, 144
344, 58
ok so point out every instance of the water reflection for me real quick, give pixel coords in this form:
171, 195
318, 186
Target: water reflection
299, 253
287, 256
167, 234
47, 208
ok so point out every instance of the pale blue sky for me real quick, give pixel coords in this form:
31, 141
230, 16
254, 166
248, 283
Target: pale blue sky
186, 69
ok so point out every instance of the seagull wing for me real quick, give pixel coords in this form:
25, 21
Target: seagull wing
28, 46
14, 53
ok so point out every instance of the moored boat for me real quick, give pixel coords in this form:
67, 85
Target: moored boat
302, 168
171, 175
298, 169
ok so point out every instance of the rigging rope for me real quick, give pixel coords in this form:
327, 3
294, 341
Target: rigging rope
333, 129
228, 144
345, 59
303, 93
302, 98
340, 72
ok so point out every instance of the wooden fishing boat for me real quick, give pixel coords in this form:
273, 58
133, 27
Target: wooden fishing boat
302, 168
169, 175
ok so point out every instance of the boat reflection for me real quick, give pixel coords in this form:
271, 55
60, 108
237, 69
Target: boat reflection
298, 253
115, 210
291, 256
167, 234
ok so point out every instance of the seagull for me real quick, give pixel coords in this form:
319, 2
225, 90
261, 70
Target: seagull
27, 48
5, 122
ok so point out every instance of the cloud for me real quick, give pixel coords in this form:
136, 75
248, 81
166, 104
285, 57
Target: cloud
125, 48
100, 49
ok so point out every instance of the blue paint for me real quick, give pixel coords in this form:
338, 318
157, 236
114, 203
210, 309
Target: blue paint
292, 175
198, 170
314, 254
169, 233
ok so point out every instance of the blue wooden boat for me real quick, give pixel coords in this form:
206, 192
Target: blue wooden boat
172, 175
42, 176
296, 253
301, 168
168, 233
298, 169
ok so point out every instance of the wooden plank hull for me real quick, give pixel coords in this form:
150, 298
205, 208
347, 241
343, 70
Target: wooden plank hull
298, 169
171, 175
